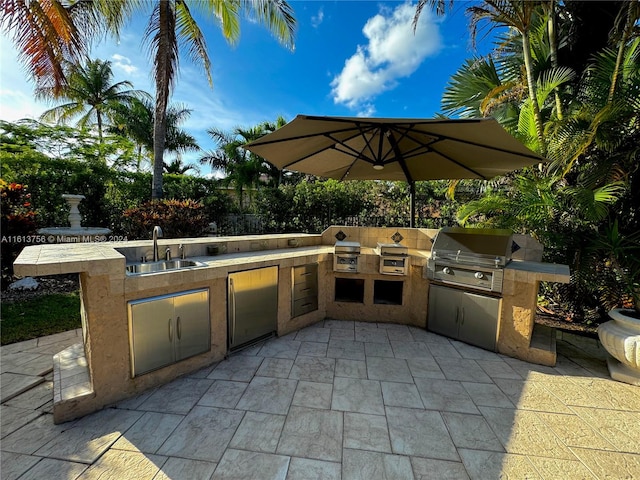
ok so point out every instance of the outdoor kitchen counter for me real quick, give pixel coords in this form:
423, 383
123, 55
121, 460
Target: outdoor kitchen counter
520, 270
519, 336
106, 288
107, 259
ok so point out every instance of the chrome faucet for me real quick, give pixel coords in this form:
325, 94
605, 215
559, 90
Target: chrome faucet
181, 251
167, 254
157, 232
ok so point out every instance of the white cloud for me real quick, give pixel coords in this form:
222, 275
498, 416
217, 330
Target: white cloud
316, 20
393, 52
120, 62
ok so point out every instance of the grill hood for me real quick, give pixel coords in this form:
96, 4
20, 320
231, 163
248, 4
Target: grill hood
473, 246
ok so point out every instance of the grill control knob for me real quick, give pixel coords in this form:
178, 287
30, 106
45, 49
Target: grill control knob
479, 275
446, 270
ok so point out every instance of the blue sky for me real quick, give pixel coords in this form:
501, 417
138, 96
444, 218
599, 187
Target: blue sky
352, 58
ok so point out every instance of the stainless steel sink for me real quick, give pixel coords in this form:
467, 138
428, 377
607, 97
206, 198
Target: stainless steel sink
162, 266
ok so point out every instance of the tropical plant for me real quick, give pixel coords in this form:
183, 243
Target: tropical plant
48, 33
136, 122
177, 167
519, 15
241, 167
17, 222
91, 94
172, 24
56, 30
572, 203
34, 139
620, 254
178, 219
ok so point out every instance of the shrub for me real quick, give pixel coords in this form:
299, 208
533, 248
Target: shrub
177, 218
17, 222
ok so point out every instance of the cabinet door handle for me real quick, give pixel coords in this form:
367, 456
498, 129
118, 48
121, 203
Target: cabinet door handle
462, 322
232, 306
179, 327
170, 330
305, 274
457, 314
306, 289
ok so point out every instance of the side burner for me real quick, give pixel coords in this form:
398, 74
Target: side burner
394, 258
346, 256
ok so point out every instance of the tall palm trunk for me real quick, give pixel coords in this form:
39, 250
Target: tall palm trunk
626, 33
553, 46
164, 68
528, 63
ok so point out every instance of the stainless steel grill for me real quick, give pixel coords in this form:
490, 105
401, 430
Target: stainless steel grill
470, 257
394, 258
472, 260
346, 257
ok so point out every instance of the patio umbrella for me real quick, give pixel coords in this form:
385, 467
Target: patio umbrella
353, 148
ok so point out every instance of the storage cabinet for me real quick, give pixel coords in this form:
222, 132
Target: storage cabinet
167, 329
466, 316
304, 286
252, 306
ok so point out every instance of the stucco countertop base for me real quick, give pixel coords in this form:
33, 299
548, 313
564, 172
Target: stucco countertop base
106, 288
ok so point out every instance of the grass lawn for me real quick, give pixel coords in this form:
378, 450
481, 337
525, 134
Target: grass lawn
36, 317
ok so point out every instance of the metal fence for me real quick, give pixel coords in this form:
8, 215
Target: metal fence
251, 224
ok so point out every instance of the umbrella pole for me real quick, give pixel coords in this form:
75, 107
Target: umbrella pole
412, 204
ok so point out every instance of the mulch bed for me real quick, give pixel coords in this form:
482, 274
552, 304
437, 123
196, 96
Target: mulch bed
47, 285
559, 323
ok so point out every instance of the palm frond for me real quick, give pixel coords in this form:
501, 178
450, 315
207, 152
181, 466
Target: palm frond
189, 32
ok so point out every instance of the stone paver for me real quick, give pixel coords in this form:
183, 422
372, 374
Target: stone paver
336, 400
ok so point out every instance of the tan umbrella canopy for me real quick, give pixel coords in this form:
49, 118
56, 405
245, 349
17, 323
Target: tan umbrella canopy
411, 149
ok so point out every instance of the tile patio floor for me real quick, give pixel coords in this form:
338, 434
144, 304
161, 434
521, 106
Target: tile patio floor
336, 400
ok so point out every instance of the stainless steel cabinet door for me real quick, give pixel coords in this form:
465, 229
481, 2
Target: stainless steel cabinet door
444, 306
478, 319
152, 332
193, 327
465, 316
252, 304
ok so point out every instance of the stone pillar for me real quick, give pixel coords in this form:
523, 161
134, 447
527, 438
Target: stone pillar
74, 213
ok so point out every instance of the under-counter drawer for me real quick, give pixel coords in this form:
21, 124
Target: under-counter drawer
304, 289
305, 273
304, 305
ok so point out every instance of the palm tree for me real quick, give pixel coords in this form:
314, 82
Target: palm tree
241, 167
48, 33
36, 24
177, 167
90, 93
440, 6
172, 23
519, 15
136, 122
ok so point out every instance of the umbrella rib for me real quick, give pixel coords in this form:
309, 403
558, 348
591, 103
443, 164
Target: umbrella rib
399, 157
347, 149
441, 138
429, 146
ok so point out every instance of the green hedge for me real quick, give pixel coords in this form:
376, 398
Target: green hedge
109, 192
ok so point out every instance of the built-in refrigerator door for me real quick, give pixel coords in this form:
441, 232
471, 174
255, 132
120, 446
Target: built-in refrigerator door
252, 305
